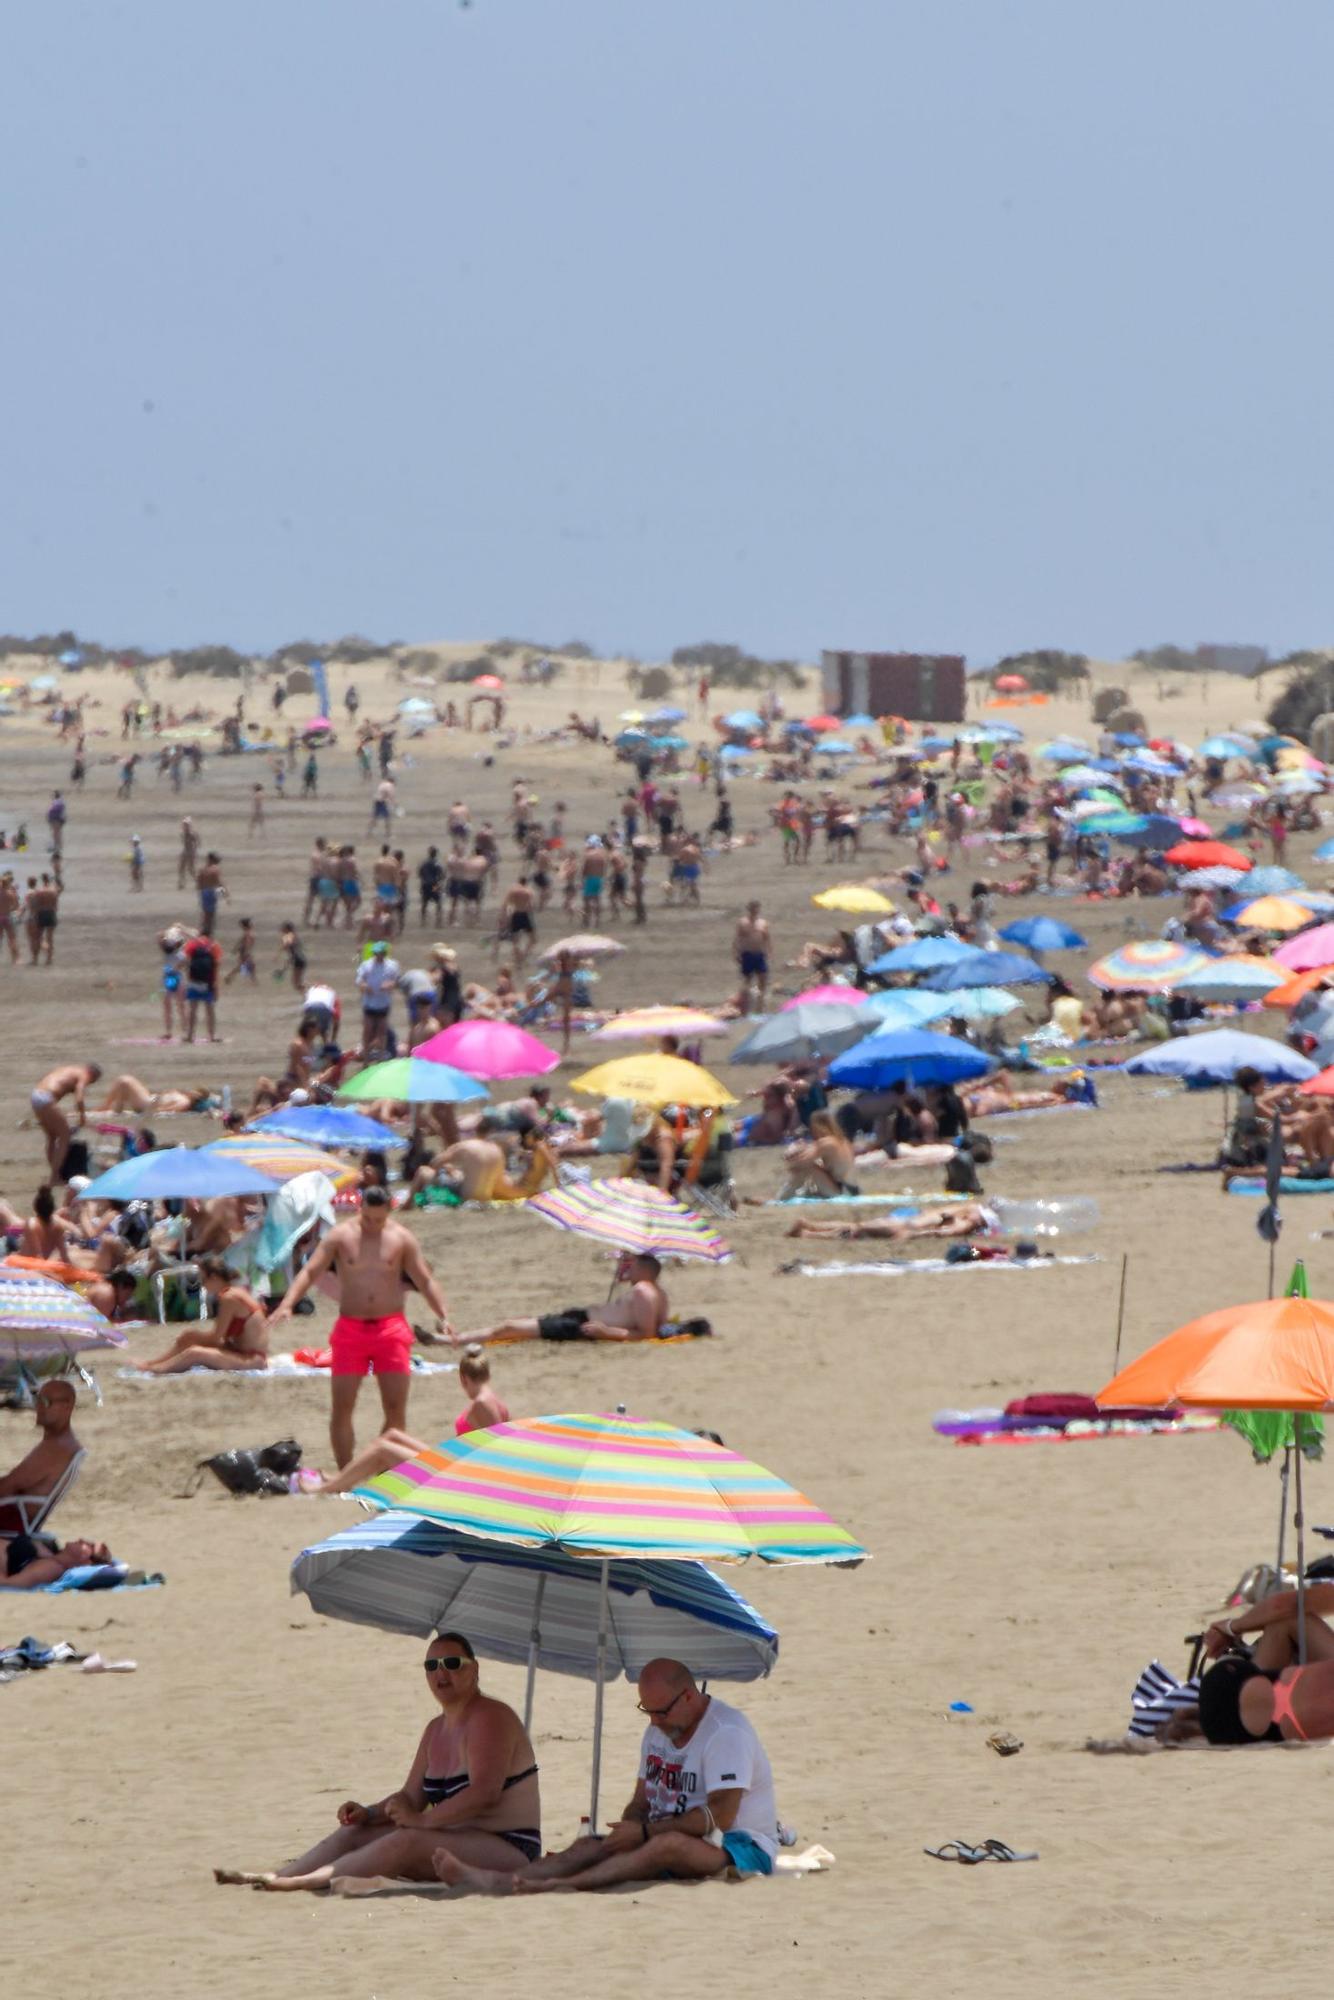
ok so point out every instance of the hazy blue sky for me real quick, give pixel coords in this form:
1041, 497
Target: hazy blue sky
955, 324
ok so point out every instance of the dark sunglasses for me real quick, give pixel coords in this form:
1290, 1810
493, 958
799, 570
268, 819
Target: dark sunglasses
657, 1712
451, 1662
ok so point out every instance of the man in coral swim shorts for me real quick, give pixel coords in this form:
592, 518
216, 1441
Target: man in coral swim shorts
373, 1259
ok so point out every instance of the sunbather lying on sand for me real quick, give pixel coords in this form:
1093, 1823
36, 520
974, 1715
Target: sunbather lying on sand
997, 1093
638, 1314
965, 1218
1263, 1697
128, 1093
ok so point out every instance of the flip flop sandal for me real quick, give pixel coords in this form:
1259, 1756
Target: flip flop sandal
1004, 1744
996, 1850
957, 1850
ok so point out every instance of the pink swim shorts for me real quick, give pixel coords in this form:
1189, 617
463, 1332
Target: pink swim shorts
371, 1346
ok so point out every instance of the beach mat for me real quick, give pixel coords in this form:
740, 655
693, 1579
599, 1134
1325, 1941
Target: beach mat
282, 1368
93, 1576
1286, 1186
1034, 1111
930, 1266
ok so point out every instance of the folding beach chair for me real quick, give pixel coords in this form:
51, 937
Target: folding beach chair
36, 1508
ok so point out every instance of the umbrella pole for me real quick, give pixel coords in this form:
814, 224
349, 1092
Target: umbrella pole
1299, 1522
1120, 1312
534, 1645
1283, 1508
597, 1698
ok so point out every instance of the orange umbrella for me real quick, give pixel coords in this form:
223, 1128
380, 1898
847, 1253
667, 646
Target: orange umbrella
1277, 1354
1207, 854
1295, 989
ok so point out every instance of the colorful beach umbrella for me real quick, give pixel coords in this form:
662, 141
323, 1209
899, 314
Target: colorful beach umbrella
633, 1216
1269, 913
41, 1319
646, 1023
1149, 965
613, 1486
855, 899
655, 1079
496, 1050
281, 1159
405, 1080
1315, 947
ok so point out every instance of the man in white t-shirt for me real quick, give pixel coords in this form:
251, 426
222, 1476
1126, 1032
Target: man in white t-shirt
377, 979
703, 1803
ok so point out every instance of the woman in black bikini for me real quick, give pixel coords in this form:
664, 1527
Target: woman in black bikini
472, 1788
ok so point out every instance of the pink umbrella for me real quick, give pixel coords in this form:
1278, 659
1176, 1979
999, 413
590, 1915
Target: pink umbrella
1195, 829
1307, 949
821, 996
491, 1049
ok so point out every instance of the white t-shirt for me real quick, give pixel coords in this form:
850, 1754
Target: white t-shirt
723, 1754
377, 977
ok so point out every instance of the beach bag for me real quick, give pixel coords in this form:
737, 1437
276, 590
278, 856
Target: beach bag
265, 1470
199, 964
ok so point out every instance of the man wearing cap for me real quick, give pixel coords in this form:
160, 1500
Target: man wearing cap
377, 980
373, 1259
703, 1803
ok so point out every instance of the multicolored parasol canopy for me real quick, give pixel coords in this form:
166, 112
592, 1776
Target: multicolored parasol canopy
282, 1159
41, 1318
612, 1486
642, 1024
633, 1216
1149, 965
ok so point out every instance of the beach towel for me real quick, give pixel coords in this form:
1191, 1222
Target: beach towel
101, 1576
1289, 1184
905, 1201
1036, 1110
994, 1427
929, 1266
30, 1655
281, 1368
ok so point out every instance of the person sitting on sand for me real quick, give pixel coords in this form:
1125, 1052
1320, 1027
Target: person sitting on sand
1263, 1696
638, 1314
476, 1168
128, 1093
703, 1803
238, 1338
824, 1166
964, 1218
484, 1408
997, 1093
46, 1566
41, 1469
46, 1234
472, 1791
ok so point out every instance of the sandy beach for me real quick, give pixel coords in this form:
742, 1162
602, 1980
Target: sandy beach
1031, 1582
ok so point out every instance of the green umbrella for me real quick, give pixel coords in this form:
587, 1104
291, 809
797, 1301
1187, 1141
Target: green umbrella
409, 1080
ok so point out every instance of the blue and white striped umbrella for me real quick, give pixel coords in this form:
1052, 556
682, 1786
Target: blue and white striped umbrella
536, 1607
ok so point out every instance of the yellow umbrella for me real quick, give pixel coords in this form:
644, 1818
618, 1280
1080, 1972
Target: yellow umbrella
655, 1079
1274, 913
861, 902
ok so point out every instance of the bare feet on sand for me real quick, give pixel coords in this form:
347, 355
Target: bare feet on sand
460, 1875
241, 1878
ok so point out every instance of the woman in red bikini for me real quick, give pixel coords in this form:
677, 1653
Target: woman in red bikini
1263, 1696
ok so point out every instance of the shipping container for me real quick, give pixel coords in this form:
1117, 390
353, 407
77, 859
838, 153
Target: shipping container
922, 687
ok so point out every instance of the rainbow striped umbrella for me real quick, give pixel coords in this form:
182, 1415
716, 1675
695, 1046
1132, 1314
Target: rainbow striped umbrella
632, 1216
1149, 965
40, 1317
645, 1023
612, 1486
282, 1159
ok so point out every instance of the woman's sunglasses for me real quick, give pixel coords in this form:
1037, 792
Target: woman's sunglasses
451, 1662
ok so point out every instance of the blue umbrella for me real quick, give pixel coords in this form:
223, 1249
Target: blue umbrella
980, 1003
1325, 851
670, 743
1271, 881
905, 1007
327, 1125
1226, 746
922, 955
912, 1055
176, 1174
732, 751
1212, 878
831, 747
859, 722
743, 718
541, 1607
1158, 830
1128, 740
1216, 1058
1044, 934
668, 715
987, 968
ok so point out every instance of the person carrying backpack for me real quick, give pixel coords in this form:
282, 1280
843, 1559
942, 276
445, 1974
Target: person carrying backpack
202, 957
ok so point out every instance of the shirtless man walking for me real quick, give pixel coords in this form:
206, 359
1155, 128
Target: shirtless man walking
10, 904
68, 1080
373, 1260
211, 889
188, 858
750, 947
43, 901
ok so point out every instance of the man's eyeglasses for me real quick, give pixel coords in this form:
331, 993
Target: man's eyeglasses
657, 1714
451, 1662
